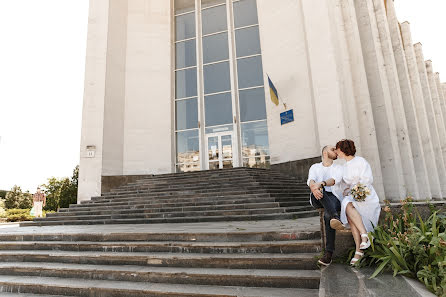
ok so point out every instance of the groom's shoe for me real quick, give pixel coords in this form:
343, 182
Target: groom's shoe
326, 259
335, 223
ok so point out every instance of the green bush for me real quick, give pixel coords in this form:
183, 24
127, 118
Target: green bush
407, 245
18, 215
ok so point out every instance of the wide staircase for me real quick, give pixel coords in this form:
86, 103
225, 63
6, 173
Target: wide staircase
230, 254
205, 196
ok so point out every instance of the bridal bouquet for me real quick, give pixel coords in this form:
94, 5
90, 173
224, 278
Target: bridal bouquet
359, 192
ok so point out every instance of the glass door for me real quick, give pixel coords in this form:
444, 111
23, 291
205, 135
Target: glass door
220, 151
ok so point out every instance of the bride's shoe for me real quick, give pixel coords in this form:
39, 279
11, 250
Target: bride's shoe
355, 260
365, 245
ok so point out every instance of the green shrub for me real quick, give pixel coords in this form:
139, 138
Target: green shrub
407, 245
18, 215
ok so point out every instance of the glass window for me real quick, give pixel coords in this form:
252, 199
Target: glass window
215, 48
252, 105
182, 6
214, 129
247, 41
257, 162
250, 72
245, 13
216, 78
186, 83
190, 167
187, 146
255, 139
208, 3
185, 26
186, 114
218, 109
186, 54
214, 19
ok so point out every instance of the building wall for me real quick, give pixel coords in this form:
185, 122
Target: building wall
343, 66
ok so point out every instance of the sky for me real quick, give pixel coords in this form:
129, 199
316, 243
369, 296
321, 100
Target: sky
42, 64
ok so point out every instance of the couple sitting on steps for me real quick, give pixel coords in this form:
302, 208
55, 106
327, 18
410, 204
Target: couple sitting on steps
331, 188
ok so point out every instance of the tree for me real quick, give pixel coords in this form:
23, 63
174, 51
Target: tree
3, 194
61, 192
17, 199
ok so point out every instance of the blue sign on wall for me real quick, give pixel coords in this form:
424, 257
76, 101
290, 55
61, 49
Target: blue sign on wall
286, 117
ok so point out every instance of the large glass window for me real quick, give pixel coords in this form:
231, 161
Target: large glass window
186, 101
213, 76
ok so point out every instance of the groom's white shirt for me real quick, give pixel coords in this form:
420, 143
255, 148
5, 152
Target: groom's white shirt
318, 172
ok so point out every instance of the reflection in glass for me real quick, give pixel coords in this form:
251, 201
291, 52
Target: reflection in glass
213, 151
257, 162
185, 26
189, 167
227, 164
214, 19
214, 165
188, 146
250, 72
208, 3
245, 13
182, 6
252, 105
218, 109
185, 54
255, 139
216, 78
225, 128
186, 83
247, 41
186, 114
226, 146
215, 48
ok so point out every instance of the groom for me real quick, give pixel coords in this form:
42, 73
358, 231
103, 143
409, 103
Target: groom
321, 177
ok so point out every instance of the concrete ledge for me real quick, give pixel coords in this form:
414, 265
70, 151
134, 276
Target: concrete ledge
297, 168
419, 290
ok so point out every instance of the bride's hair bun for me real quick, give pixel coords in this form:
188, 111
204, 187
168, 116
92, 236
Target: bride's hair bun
346, 146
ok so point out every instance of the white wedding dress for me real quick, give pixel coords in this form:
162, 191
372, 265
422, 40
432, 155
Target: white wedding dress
356, 171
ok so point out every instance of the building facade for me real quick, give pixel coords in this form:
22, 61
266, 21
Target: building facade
182, 85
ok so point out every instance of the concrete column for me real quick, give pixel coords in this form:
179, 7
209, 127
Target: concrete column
436, 102
381, 101
441, 96
90, 169
421, 113
435, 135
403, 136
357, 90
408, 103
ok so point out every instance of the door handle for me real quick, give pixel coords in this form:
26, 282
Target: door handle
235, 120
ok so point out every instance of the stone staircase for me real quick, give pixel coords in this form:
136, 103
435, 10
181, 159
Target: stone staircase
206, 196
106, 263
236, 237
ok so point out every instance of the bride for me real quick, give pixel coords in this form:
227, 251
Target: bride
361, 216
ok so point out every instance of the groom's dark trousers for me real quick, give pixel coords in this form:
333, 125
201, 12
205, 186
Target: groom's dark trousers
332, 208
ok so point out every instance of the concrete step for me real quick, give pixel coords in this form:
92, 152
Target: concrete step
227, 218
94, 288
169, 275
295, 261
161, 208
157, 213
28, 295
149, 203
139, 233
192, 202
282, 247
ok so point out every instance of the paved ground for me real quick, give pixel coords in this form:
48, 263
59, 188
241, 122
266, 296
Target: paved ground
344, 281
304, 224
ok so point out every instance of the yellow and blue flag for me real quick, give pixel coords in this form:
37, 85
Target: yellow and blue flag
273, 92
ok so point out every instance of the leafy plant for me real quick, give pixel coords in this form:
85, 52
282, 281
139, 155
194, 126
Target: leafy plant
408, 245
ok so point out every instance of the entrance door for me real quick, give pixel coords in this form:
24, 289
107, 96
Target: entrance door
220, 150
